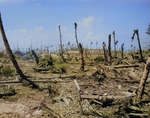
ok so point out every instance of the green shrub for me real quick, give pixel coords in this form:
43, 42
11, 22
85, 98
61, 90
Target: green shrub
7, 71
60, 68
69, 58
99, 58
46, 61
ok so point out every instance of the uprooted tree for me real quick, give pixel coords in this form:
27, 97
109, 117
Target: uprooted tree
24, 79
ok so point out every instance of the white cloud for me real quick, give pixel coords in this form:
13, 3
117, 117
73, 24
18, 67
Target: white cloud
87, 22
91, 37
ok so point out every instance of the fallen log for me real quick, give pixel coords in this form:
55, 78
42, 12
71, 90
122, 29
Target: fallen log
103, 98
9, 82
10, 93
125, 66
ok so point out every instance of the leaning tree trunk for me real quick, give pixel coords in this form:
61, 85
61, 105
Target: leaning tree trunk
36, 57
109, 49
105, 56
136, 32
82, 60
143, 80
24, 80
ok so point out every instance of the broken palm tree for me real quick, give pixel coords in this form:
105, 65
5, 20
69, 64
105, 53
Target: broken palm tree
141, 88
36, 57
114, 44
24, 79
61, 47
109, 50
82, 60
105, 56
76, 34
122, 50
136, 32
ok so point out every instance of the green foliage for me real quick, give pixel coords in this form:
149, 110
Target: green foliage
7, 71
69, 58
46, 61
99, 58
59, 68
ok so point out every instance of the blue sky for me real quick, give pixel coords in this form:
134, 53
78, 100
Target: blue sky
38, 20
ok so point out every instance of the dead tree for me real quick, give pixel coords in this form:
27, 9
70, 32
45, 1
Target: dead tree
36, 57
105, 56
140, 90
82, 60
136, 32
24, 79
109, 49
114, 43
122, 50
76, 34
61, 47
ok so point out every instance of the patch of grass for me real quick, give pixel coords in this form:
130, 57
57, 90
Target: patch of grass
99, 58
69, 58
7, 71
59, 68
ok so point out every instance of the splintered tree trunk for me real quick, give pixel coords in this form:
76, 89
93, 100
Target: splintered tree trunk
143, 80
82, 60
109, 49
122, 50
105, 56
139, 46
76, 34
114, 43
36, 57
61, 47
24, 80
136, 32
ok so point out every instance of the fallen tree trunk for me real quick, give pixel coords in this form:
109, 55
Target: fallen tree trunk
140, 90
124, 66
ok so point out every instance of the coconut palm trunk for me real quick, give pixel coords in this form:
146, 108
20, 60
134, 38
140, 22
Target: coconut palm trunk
24, 80
143, 80
136, 32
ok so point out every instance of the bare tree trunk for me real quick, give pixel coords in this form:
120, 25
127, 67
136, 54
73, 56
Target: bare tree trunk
109, 49
143, 80
114, 43
122, 50
82, 60
61, 47
24, 80
36, 57
105, 56
136, 32
76, 34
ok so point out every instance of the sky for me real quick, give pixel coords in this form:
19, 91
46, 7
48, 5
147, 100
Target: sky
35, 22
